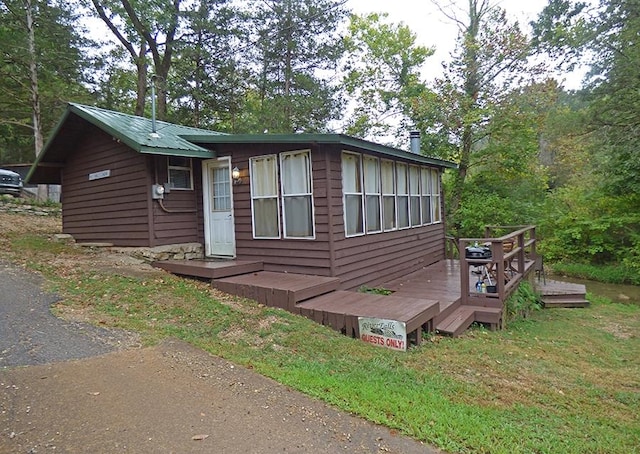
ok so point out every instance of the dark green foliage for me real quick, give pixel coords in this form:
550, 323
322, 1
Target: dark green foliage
523, 301
587, 226
61, 63
375, 290
293, 55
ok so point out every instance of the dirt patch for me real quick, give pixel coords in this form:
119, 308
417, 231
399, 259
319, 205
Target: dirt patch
618, 331
173, 398
168, 398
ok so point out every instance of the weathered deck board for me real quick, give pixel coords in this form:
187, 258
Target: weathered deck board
456, 323
341, 310
426, 299
211, 269
282, 290
557, 294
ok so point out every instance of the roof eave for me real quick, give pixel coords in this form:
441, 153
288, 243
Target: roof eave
202, 153
330, 139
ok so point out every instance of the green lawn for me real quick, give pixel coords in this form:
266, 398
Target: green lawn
560, 381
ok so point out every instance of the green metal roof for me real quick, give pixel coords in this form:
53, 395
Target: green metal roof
137, 133
342, 140
175, 140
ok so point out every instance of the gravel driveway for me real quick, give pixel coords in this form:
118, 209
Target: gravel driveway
86, 389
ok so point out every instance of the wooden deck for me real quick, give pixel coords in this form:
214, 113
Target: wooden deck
283, 290
341, 309
562, 294
441, 281
430, 299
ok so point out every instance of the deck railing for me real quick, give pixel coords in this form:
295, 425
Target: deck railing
512, 257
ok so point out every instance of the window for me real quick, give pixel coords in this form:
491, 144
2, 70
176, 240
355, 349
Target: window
425, 177
372, 194
264, 197
352, 190
297, 200
414, 198
180, 173
402, 193
388, 196
435, 195
220, 190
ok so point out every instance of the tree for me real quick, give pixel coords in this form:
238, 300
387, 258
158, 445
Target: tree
600, 216
490, 60
382, 76
141, 28
42, 65
294, 56
209, 80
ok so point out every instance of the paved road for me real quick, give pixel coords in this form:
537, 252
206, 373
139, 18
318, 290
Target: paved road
30, 334
171, 398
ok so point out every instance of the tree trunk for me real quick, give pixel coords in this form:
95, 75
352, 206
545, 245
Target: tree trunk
43, 189
141, 83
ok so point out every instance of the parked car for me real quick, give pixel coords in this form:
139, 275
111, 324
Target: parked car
10, 183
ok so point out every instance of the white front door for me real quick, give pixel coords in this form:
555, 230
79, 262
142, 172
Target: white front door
219, 233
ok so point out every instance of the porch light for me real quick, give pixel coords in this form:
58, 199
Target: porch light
235, 175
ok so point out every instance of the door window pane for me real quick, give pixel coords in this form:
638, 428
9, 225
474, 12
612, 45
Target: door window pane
221, 192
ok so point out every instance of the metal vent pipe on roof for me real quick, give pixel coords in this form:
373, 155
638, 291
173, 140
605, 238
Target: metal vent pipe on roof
153, 103
414, 140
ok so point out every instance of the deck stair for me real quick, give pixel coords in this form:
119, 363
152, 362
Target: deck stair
557, 294
341, 309
461, 318
283, 290
209, 269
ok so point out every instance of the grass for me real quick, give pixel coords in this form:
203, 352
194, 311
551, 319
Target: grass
611, 274
561, 380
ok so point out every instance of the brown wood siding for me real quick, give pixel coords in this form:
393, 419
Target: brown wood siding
293, 256
178, 219
374, 258
113, 209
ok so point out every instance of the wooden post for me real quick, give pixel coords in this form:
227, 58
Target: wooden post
464, 273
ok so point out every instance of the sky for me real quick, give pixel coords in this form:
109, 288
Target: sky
433, 29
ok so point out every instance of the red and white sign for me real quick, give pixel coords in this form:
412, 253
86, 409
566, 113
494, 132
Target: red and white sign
384, 333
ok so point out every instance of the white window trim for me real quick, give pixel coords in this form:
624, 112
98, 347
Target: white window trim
190, 169
344, 199
309, 194
390, 194
413, 193
426, 193
377, 194
405, 195
277, 197
435, 207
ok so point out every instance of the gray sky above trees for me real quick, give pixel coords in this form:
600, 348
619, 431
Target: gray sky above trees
435, 30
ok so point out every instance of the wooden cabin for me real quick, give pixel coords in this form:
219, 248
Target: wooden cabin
293, 221
317, 204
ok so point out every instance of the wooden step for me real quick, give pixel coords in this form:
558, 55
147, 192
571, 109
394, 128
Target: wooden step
565, 302
283, 290
456, 323
210, 269
489, 315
